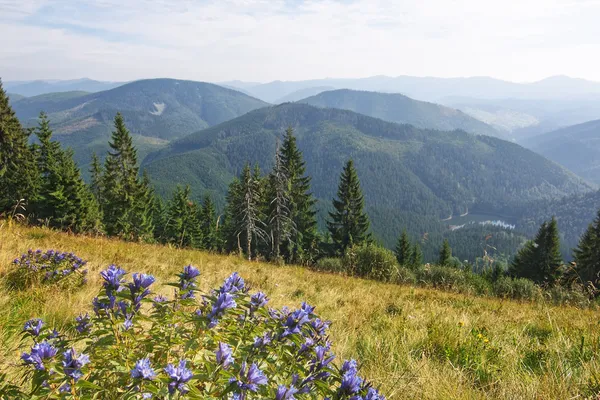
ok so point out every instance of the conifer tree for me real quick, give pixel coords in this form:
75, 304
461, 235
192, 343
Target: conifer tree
208, 224
587, 255
417, 256
302, 243
182, 227
404, 251
18, 172
126, 200
279, 221
540, 260
64, 200
445, 259
348, 224
96, 178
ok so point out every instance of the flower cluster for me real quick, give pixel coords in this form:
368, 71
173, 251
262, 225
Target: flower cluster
49, 267
225, 344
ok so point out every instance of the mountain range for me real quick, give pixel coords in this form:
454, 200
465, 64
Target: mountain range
411, 177
156, 111
394, 107
35, 88
576, 147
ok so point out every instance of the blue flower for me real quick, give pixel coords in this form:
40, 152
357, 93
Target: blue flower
143, 370
179, 376
224, 355
39, 353
258, 300
294, 322
141, 281
128, 322
224, 301
373, 394
351, 382
66, 388
233, 284
263, 341
83, 323
320, 326
252, 379
284, 393
72, 364
33, 326
113, 278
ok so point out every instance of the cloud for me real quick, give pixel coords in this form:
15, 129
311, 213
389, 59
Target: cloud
215, 40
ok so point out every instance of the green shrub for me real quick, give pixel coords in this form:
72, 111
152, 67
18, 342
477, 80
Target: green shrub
516, 288
405, 276
330, 264
575, 296
441, 277
371, 261
476, 284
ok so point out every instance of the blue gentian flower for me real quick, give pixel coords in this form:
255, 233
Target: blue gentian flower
351, 382
224, 301
66, 388
284, 393
224, 355
113, 278
33, 326
179, 376
39, 352
83, 323
263, 341
258, 300
294, 322
72, 363
252, 379
373, 394
233, 284
143, 370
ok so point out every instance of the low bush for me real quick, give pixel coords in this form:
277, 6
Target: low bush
441, 277
517, 288
225, 344
49, 267
330, 264
371, 261
405, 276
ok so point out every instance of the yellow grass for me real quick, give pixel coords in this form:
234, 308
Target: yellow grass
411, 342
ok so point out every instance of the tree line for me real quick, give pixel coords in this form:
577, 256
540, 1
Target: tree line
269, 216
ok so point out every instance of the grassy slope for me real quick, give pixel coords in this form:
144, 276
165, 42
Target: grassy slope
399, 333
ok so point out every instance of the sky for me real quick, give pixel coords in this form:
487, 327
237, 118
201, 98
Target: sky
266, 40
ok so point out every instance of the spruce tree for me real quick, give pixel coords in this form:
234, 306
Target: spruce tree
208, 224
302, 243
348, 224
18, 172
587, 255
182, 227
417, 256
126, 199
279, 221
445, 259
96, 173
404, 251
540, 260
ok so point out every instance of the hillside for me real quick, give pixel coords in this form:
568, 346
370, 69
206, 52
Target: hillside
413, 342
156, 111
303, 93
35, 88
576, 147
411, 177
398, 108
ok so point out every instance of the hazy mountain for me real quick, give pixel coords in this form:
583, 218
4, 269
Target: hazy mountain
303, 93
398, 108
35, 88
576, 147
434, 89
13, 97
156, 111
411, 177
527, 117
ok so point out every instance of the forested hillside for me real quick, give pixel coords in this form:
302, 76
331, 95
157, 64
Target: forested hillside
395, 107
156, 111
411, 177
576, 147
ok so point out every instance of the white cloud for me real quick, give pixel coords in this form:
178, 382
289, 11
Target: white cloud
264, 40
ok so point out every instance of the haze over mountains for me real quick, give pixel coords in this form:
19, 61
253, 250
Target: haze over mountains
35, 88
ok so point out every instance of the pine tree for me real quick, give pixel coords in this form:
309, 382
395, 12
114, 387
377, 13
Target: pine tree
96, 173
417, 256
208, 224
302, 243
18, 172
540, 260
244, 212
64, 200
445, 259
126, 200
182, 227
279, 221
348, 224
404, 251
587, 255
